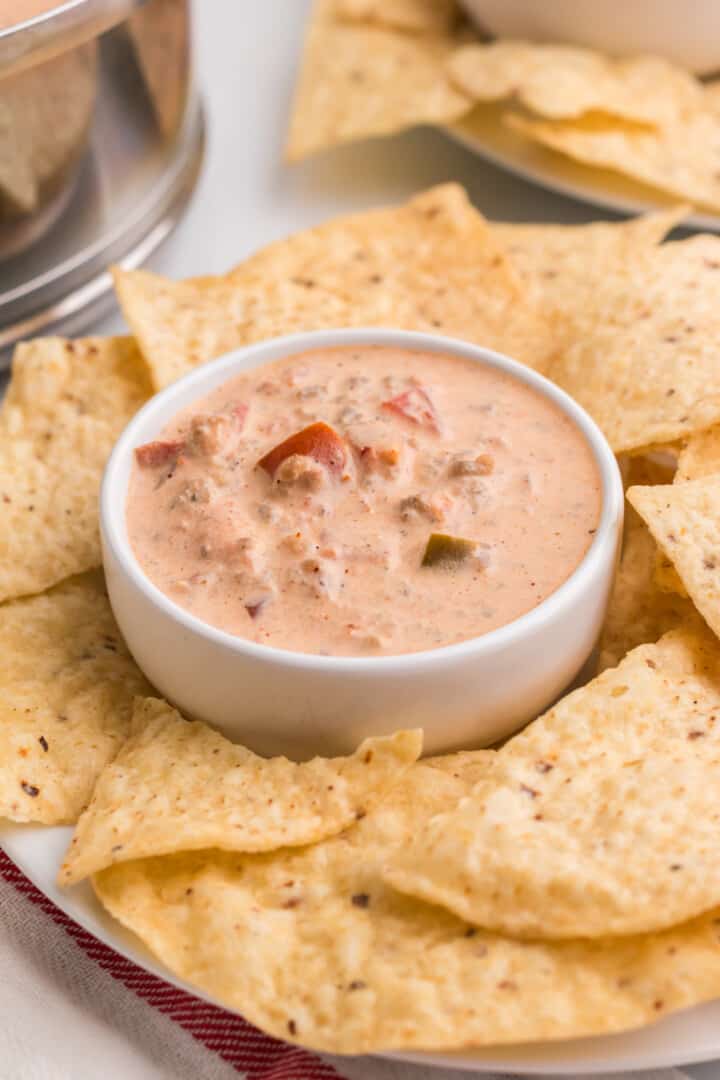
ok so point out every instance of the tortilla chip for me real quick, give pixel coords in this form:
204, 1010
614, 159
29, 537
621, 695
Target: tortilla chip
466, 765
45, 114
432, 264
639, 611
18, 188
53, 378
600, 818
67, 684
700, 456
666, 576
66, 405
359, 80
680, 158
564, 263
562, 81
685, 521
159, 32
180, 786
645, 361
428, 16
313, 947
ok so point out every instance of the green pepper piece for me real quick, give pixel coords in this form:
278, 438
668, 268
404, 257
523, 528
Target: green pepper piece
448, 551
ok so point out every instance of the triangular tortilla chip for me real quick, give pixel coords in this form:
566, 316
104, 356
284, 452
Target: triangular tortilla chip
67, 684
700, 456
180, 786
432, 265
644, 361
564, 264
314, 948
565, 81
684, 518
679, 158
66, 404
600, 818
369, 78
640, 610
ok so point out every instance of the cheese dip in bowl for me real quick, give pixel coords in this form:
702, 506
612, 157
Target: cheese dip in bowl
346, 532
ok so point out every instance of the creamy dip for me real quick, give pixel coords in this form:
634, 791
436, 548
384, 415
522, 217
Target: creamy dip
364, 501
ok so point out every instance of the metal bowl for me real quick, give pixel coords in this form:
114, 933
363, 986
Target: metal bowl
101, 142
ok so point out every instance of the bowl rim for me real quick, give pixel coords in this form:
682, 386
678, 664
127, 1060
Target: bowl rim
625, 30
63, 26
144, 426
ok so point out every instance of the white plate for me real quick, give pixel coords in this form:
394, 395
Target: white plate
686, 1038
484, 133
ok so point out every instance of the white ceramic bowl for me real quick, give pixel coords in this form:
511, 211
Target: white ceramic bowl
685, 31
276, 701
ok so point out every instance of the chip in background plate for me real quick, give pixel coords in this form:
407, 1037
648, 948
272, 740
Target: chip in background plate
419, 16
679, 158
565, 81
371, 77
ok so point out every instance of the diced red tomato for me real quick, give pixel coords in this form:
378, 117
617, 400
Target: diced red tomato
152, 454
414, 405
318, 441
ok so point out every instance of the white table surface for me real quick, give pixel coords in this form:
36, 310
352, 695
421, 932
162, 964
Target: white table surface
247, 55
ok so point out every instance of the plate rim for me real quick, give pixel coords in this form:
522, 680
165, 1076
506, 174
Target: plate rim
544, 168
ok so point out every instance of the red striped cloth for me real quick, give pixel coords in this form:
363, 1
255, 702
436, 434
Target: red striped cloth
248, 1050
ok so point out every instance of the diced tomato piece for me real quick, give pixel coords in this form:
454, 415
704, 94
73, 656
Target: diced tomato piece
318, 441
415, 405
157, 453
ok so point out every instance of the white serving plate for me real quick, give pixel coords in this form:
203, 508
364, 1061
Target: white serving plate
483, 132
687, 1038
